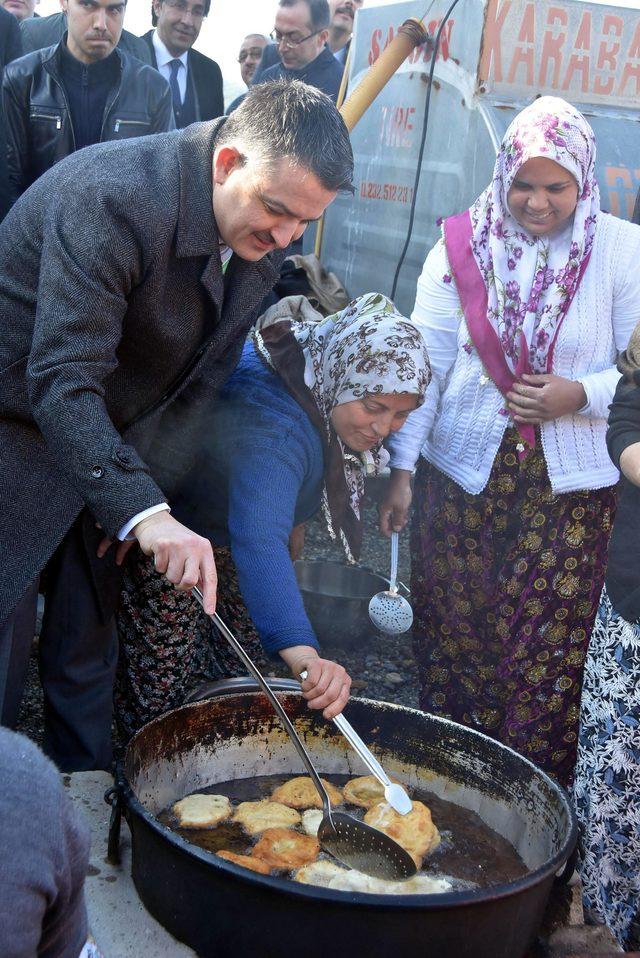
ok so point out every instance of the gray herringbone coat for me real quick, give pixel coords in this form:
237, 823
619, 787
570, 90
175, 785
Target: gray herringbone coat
113, 306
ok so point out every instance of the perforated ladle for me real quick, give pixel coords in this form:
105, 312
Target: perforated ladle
390, 612
346, 838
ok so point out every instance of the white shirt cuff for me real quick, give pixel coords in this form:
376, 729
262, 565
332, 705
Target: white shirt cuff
124, 533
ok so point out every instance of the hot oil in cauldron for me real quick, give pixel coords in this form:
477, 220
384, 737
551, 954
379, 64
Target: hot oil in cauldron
470, 854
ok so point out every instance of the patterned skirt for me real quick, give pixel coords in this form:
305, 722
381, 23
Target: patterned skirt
168, 646
607, 786
506, 587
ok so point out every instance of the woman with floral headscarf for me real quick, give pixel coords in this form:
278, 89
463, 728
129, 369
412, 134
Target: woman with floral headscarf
523, 304
296, 428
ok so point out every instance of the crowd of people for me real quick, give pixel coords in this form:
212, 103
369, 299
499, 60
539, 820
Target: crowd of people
161, 428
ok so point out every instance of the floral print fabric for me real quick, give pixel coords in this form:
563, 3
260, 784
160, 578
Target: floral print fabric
607, 788
505, 588
168, 646
531, 280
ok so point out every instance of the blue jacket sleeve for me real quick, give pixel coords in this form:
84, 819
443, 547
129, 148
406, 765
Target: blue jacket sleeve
265, 479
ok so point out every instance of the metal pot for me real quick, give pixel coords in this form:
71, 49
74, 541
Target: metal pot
222, 910
336, 598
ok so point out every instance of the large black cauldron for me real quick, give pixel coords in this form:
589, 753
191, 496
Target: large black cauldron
225, 911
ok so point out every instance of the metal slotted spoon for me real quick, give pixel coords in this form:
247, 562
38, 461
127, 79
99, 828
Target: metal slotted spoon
346, 838
390, 612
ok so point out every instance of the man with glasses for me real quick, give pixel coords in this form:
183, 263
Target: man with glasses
301, 32
195, 80
249, 56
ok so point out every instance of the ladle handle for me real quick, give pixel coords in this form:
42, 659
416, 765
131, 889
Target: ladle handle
356, 743
282, 715
393, 586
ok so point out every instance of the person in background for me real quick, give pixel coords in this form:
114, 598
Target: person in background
21, 9
79, 92
195, 80
39, 32
341, 27
301, 31
607, 786
251, 50
250, 54
523, 304
130, 275
270, 56
10, 49
44, 856
302, 415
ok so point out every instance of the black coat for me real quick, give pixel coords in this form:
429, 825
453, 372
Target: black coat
116, 324
10, 49
39, 124
206, 77
40, 32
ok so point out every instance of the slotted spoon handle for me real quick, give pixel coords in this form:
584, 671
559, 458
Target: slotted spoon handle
393, 586
282, 715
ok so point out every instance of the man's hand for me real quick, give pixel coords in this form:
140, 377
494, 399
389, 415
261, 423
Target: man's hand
394, 508
327, 684
121, 550
630, 463
184, 558
539, 399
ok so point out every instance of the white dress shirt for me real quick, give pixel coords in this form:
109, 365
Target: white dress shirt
163, 59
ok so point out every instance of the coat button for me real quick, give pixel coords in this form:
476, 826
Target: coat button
97, 472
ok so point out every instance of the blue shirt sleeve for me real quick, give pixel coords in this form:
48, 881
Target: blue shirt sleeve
265, 479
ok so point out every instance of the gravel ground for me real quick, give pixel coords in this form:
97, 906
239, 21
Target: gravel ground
382, 667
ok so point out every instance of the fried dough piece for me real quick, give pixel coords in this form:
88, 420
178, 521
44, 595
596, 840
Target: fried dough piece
256, 817
202, 811
301, 793
357, 881
414, 831
283, 848
246, 861
311, 821
365, 791
318, 873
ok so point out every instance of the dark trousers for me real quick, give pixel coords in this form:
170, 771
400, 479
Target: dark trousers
78, 656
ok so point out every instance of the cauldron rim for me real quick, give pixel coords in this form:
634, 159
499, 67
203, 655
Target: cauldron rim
431, 902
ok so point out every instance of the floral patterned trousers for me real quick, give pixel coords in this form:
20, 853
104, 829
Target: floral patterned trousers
506, 587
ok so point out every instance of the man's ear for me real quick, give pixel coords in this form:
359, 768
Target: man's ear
226, 159
156, 6
63, 5
323, 36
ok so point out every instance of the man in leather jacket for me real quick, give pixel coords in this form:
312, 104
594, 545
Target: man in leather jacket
81, 91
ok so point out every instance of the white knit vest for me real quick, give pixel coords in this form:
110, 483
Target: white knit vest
459, 429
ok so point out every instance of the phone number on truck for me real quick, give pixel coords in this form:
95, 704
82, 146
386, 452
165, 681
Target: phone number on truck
390, 192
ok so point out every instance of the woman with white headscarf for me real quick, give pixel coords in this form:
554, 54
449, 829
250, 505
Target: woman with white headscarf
523, 304
295, 429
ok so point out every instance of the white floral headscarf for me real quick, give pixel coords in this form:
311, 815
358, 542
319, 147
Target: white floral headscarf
369, 348
531, 280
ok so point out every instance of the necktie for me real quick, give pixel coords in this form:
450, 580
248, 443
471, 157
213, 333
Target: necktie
174, 66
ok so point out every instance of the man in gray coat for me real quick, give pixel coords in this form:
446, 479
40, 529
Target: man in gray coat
130, 274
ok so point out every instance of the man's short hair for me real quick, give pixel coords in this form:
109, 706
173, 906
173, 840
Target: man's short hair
319, 13
290, 118
154, 20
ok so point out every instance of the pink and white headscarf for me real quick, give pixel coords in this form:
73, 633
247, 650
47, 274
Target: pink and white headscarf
531, 281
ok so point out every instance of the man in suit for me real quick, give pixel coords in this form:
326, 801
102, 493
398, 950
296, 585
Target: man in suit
81, 91
301, 32
249, 56
341, 27
130, 274
195, 80
40, 32
10, 49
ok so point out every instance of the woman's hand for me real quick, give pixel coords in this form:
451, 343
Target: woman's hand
296, 542
327, 684
539, 399
394, 508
